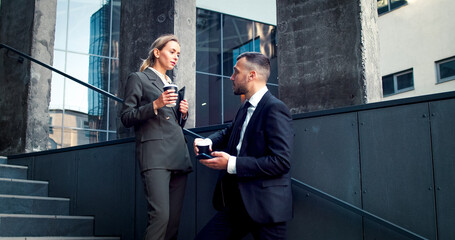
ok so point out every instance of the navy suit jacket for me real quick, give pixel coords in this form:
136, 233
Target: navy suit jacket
263, 164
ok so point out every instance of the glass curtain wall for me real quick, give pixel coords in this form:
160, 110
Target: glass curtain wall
86, 47
220, 38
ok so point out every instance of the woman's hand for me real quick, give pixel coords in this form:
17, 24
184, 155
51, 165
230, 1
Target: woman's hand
184, 107
167, 97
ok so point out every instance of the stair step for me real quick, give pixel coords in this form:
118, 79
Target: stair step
60, 238
17, 225
15, 204
13, 171
3, 160
10, 186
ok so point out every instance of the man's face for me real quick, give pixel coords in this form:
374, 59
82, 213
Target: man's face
239, 78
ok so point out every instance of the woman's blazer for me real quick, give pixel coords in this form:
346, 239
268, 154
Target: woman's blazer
160, 143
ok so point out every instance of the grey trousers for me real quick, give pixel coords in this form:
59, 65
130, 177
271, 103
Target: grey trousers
164, 192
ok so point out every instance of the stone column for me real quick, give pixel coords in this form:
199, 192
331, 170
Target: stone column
142, 21
328, 53
28, 26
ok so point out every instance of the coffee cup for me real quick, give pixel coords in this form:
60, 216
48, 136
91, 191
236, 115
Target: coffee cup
204, 147
171, 86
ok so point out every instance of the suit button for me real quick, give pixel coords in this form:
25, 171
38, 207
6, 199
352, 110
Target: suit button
167, 118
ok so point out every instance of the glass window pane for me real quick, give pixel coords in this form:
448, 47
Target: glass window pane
387, 85
75, 119
405, 81
113, 120
208, 100
55, 137
60, 25
208, 42
99, 31
115, 33
397, 3
76, 95
112, 136
88, 21
447, 70
73, 137
267, 46
113, 89
383, 6
97, 111
114, 77
231, 101
237, 38
58, 81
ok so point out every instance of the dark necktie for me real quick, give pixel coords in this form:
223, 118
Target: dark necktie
235, 135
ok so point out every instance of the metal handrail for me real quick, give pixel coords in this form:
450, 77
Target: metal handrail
101, 91
358, 211
299, 183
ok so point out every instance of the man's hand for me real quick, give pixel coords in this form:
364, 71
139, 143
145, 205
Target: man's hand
219, 162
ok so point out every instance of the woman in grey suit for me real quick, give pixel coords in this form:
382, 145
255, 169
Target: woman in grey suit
161, 149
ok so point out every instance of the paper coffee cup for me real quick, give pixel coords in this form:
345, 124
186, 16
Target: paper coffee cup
171, 86
204, 146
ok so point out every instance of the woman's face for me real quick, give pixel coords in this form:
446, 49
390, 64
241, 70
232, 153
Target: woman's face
167, 57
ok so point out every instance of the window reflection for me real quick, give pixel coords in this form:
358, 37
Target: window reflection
389, 5
231, 102
80, 17
86, 47
208, 100
60, 25
220, 39
237, 33
208, 43
267, 36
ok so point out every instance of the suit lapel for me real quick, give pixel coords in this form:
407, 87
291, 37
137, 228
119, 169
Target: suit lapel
155, 79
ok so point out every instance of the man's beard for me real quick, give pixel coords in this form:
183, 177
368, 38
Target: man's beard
240, 90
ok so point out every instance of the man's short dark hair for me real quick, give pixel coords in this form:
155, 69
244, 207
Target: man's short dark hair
259, 60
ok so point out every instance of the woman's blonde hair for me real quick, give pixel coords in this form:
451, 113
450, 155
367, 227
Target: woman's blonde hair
159, 44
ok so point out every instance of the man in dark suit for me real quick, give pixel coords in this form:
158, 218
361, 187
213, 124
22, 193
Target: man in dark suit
253, 193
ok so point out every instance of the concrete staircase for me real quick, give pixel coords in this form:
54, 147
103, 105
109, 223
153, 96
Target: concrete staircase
26, 211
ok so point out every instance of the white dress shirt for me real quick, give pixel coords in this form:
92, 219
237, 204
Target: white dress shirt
164, 78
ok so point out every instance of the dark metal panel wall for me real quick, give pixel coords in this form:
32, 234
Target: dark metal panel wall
443, 136
403, 162
99, 181
397, 170
205, 185
60, 171
107, 176
326, 157
318, 219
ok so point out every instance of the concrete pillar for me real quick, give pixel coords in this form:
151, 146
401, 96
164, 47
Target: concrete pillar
328, 53
28, 26
142, 22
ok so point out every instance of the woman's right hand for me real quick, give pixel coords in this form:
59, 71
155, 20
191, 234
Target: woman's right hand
167, 97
